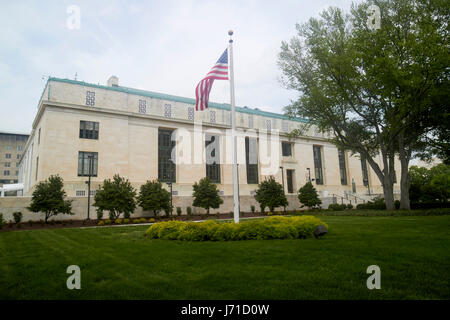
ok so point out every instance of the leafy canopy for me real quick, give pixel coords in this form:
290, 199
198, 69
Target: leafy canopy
270, 194
116, 196
307, 195
206, 195
154, 197
48, 197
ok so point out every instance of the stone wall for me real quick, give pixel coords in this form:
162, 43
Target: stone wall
8, 205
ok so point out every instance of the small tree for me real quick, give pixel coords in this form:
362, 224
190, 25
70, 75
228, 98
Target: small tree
270, 194
48, 197
206, 195
153, 197
116, 196
307, 195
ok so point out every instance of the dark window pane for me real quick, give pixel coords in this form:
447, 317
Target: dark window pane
365, 174
251, 158
290, 180
166, 168
286, 148
84, 163
318, 164
342, 167
89, 129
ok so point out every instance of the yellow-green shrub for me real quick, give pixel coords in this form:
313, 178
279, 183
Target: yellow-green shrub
118, 221
126, 220
101, 223
276, 227
151, 220
108, 221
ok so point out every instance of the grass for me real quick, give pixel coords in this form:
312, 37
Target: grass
119, 263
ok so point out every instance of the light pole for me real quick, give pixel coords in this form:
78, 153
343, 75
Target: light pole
171, 207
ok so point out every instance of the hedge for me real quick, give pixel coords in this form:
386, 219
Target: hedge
269, 228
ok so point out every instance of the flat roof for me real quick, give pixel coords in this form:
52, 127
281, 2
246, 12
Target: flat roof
163, 96
14, 133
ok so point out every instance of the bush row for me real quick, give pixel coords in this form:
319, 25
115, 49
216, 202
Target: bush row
387, 213
261, 229
339, 207
125, 221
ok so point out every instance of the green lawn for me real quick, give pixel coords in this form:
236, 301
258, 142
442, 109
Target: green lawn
119, 263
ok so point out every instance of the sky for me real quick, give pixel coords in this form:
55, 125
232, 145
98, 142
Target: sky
163, 46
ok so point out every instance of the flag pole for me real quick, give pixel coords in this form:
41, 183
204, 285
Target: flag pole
233, 134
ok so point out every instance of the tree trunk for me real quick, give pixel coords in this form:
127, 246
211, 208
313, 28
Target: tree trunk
405, 181
388, 191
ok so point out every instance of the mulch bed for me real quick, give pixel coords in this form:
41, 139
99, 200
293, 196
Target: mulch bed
26, 225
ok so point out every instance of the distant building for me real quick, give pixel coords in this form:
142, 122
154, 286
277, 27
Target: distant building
11, 150
126, 131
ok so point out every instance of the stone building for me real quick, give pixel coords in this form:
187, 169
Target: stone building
111, 129
11, 149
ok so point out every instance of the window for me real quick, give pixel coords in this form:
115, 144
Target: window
37, 167
290, 180
212, 116
166, 167
8, 156
191, 113
212, 150
7, 164
39, 136
80, 193
250, 121
89, 130
19, 148
285, 125
17, 172
6, 173
18, 156
286, 149
269, 125
142, 106
90, 98
342, 167
86, 160
395, 177
365, 174
317, 151
251, 159
167, 111
8, 147
17, 164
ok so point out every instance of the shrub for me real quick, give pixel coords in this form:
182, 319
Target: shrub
2, 221
277, 227
153, 197
116, 196
252, 208
429, 205
397, 204
349, 206
108, 221
30, 223
118, 221
19, 225
17, 216
307, 195
48, 197
206, 195
101, 223
151, 220
179, 211
189, 211
99, 214
337, 207
126, 215
376, 204
270, 194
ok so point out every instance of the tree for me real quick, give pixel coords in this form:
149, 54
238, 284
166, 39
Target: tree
48, 197
206, 195
154, 197
270, 194
116, 196
375, 89
428, 185
307, 195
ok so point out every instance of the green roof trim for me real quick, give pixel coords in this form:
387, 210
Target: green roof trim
163, 96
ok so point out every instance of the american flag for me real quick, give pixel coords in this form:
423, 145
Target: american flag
218, 72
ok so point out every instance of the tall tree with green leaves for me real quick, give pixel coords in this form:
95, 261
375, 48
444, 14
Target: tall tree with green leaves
308, 196
374, 89
116, 196
270, 194
49, 197
154, 197
206, 195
